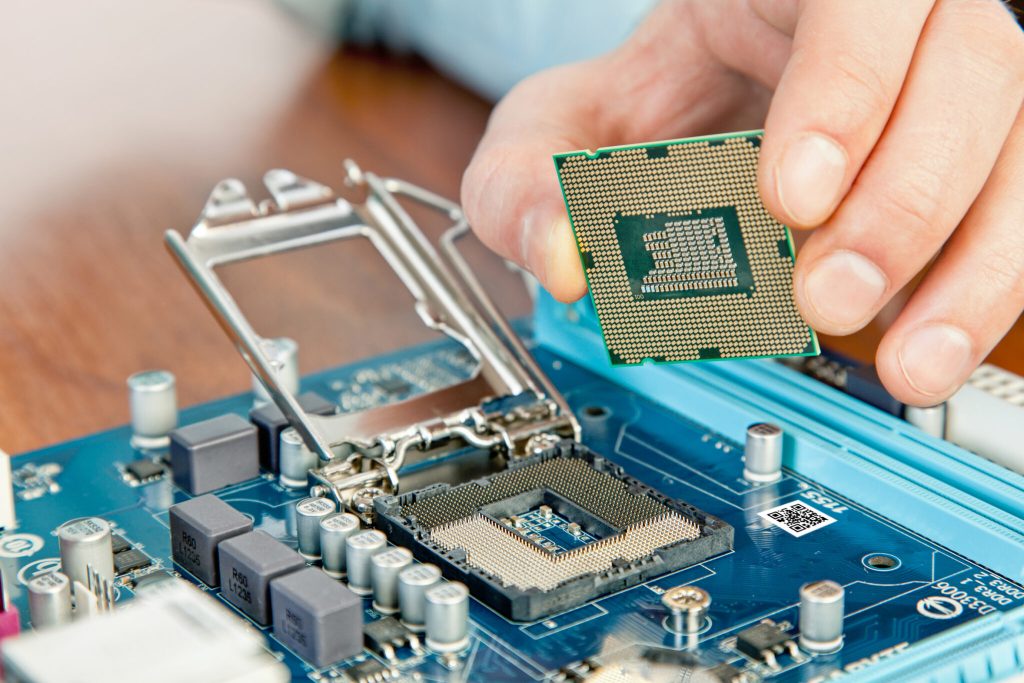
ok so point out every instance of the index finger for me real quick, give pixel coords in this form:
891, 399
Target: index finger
845, 73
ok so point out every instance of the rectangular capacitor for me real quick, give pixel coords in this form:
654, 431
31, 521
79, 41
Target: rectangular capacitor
197, 527
317, 617
214, 453
248, 563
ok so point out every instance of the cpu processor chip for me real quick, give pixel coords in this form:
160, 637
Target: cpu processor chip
682, 259
551, 532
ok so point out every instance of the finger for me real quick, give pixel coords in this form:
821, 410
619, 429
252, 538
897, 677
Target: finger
662, 83
848, 64
782, 15
961, 97
971, 296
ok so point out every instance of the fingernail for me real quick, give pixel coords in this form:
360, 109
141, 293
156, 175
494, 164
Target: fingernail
563, 272
843, 290
809, 178
935, 358
537, 222
549, 252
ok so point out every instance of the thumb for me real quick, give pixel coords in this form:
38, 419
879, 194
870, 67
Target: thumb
510, 190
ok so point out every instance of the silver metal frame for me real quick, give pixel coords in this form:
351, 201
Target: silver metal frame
367, 448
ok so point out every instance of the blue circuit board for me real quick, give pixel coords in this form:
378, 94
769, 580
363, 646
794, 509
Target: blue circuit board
900, 587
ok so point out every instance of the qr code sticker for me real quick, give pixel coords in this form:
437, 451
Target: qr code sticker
797, 518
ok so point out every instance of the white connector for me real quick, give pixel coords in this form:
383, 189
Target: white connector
178, 634
987, 416
7, 520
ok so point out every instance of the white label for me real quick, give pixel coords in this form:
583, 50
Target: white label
797, 518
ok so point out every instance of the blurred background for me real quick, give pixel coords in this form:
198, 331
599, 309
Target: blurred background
119, 117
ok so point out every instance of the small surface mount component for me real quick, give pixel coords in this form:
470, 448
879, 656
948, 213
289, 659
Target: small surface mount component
248, 563
634, 533
386, 635
144, 470
118, 544
683, 260
764, 642
155, 582
727, 673
130, 560
393, 386
214, 453
317, 617
197, 526
370, 671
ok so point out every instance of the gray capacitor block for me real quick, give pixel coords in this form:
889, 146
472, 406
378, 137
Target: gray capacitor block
384, 570
413, 582
153, 401
49, 600
214, 453
295, 460
822, 608
248, 563
334, 531
308, 513
270, 422
197, 527
447, 617
317, 617
86, 543
762, 456
359, 551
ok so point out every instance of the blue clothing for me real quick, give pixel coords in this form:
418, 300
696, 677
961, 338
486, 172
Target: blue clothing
488, 45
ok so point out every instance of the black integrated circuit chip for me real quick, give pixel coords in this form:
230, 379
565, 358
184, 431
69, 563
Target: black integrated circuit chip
393, 385
118, 544
764, 641
370, 671
386, 635
145, 470
634, 532
130, 560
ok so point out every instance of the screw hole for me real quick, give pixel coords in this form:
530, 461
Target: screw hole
882, 562
596, 412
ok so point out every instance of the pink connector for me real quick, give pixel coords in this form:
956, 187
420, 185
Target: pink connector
10, 621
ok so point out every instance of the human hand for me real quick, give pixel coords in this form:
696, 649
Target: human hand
893, 130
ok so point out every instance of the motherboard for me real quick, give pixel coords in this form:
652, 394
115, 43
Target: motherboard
553, 519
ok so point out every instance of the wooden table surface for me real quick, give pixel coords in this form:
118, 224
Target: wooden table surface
89, 294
